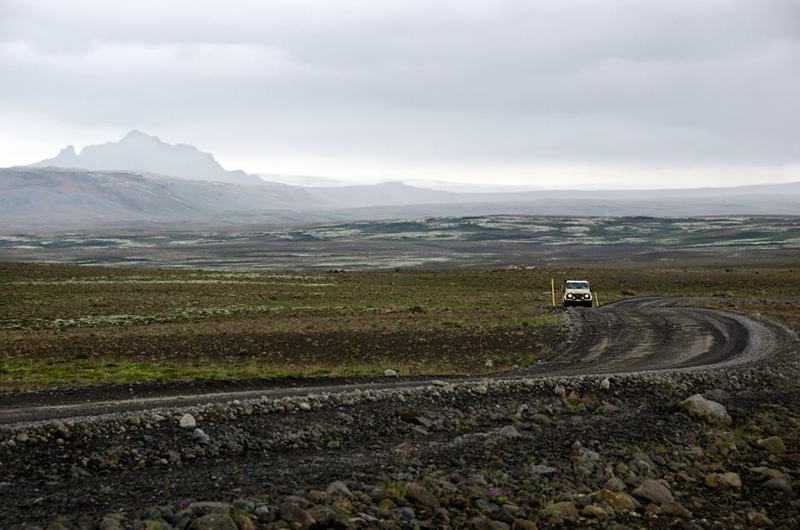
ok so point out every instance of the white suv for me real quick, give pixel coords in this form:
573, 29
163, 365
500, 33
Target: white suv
577, 292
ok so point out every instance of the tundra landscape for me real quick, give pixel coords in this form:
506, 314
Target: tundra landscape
405, 391
359, 311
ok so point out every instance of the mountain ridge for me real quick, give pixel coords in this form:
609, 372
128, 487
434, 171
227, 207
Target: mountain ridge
137, 151
48, 199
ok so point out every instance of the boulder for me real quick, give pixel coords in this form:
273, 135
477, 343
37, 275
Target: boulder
706, 410
653, 491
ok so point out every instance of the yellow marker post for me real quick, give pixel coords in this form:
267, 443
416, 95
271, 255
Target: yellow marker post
553, 288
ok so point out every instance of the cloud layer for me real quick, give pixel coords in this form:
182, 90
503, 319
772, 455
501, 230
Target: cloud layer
415, 87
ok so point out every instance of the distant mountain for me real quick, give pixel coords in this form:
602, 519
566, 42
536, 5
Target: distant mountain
138, 151
47, 199
304, 181
54, 198
384, 194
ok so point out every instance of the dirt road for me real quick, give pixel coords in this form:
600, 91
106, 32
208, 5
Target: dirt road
635, 335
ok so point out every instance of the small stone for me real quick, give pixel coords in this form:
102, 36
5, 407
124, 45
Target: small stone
566, 510
62, 430
419, 495
292, 513
614, 484
774, 445
707, 410
723, 480
542, 470
540, 419
593, 511
305, 406
767, 472
390, 373
405, 513
199, 436
488, 364
480, 523
265, 513
208, 507
188, 421
108, 523
213, 521
522, 524
605, 384
653, 491
777, 484
22, 437
759, 519
244, 523
412, 416
509, 431
619, 502
339, 488
676, 509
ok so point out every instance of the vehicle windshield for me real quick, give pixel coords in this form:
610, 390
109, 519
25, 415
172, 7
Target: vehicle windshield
577, 285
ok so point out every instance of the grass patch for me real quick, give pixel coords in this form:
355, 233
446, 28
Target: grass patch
66, 325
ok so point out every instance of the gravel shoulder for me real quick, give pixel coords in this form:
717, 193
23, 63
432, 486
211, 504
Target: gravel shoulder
598, 438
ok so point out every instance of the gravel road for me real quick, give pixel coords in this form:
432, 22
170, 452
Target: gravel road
592, 435
635, 335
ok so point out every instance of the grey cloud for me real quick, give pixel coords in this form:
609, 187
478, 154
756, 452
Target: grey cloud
670, 82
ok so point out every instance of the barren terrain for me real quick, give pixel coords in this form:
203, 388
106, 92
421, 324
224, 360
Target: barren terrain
498, 418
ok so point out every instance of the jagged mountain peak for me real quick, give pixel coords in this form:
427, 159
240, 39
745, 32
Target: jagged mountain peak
139, 151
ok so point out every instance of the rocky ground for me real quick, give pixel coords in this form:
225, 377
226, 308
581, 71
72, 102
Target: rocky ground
588, 451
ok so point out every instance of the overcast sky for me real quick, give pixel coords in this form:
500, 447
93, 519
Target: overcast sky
541, 93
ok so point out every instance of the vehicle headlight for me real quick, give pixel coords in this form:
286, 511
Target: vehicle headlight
569, 295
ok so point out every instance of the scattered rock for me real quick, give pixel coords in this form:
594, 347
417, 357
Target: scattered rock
565, 510
778, 484
390, 373
509, 431
767, 472
676, 509
419, 495
488, 524
707, 410
205, 508
759, 519
213, 521
292, 513
540, 419
199, 436
774, 445
723, 480
593, 511
188, 421
339, 488
653, 491
618, 501
542, 470
614, 484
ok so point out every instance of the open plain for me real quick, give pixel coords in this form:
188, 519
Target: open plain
254, 397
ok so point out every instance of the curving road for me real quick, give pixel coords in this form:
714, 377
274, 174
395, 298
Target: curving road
634, 335
657, 333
